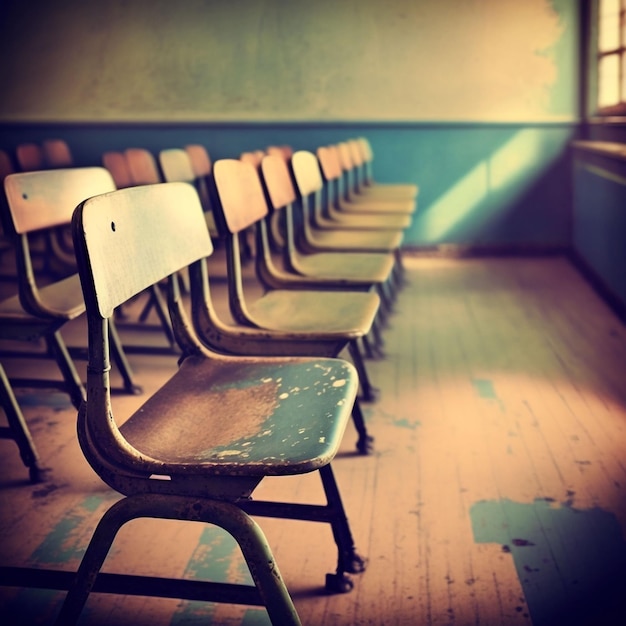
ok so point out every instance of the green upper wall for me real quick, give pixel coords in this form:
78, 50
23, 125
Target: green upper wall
269, 60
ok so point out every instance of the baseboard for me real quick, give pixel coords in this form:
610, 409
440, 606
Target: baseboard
459, 251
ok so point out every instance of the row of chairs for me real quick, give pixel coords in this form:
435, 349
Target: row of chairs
260, 396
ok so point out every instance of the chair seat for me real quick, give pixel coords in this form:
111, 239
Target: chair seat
350, 314
64, 297
15, 323
245, 417
359, 267
349, 217
356, 241
392, 191
377, 204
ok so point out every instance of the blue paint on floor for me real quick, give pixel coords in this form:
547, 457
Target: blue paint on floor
484, 388
562, 586
216, 558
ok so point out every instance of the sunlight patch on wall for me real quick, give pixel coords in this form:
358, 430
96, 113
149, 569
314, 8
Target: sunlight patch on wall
503, 171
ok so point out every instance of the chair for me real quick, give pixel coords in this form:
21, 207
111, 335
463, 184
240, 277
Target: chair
199, 446
311, 238
321, 270
17, 428
370, 186
57, 153
359, 197
56, 242
117, 165
338, 212
241, 204
29, 157
191, 165
35, 201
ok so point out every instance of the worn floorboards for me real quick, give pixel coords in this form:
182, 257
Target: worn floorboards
496, 494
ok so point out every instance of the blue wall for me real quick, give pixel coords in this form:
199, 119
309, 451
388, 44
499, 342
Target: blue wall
599, 221
492, 185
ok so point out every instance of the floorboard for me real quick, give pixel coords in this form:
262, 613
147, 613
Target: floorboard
496, 493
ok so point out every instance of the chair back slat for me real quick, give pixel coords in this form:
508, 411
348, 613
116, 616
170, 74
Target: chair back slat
46, 198
343, 153
57, 153
278, 182
200, 159
117, 165
329, 162
143, 166
306, 171
155, 229
176, 165
29, 157
240, 193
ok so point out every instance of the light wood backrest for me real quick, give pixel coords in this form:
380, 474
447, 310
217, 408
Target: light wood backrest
240, 193
117, 165
254, 157
366, 149
57, 153
306, 171
355, 153
6, 165
278, 182
29, 157
329, 162
343, 153
136, 237
284, 151
143, 166
176, 165
200, 159
47, 198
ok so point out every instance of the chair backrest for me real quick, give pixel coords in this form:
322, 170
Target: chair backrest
57, 153
278, 183
176, 165
46, 198
254, 157
285, 152
200, 159
6, 165
117, 165
143, 166
356, 155
345, 156
132, 238
306, 171
241, 198
29, 157
329, 162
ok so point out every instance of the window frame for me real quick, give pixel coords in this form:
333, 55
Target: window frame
618, 109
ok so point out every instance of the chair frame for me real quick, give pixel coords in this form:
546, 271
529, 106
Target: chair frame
213, 488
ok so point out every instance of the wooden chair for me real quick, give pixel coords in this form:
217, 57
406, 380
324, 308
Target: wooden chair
320, 270
191, 165
368, 184
55, 242
199, 446
29, 157
360, 197
35, 201
117, 165
312, 238
339, 212
57, 153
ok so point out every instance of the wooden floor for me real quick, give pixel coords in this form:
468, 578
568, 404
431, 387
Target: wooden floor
496, 494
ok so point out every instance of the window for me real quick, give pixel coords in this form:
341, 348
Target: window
611, 48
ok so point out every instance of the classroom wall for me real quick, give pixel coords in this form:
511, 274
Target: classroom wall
474, 100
